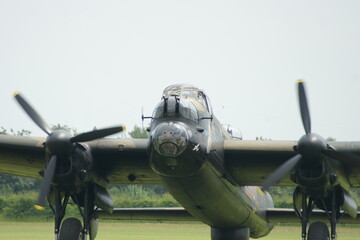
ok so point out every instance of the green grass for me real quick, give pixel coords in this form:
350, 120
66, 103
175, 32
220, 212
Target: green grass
149, 231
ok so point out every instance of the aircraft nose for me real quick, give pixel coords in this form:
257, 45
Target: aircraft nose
170, 139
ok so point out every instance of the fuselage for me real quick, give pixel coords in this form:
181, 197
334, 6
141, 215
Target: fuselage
186, 151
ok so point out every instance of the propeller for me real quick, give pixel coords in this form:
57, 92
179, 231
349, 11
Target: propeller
32, 113
280, 173
58, 142
45, 185
96, 134
310, 147
304, 109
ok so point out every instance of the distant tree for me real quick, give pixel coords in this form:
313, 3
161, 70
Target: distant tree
282, 196
330, 139
22, 132
261, 138
65, 127
138, 132
3, 131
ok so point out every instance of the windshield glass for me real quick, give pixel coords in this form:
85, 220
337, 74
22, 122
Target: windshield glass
168, 108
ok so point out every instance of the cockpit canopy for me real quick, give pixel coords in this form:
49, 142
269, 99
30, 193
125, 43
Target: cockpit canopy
186, 91
174, 107
181, 90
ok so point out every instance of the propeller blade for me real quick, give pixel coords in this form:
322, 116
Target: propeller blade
45, 185
32, 113
349, 159
304, 109
96, 134
280, 173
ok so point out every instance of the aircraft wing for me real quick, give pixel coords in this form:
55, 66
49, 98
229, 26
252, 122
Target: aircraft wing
273, 215
251, 162
157, 214
121, 161
288, 215
21, 156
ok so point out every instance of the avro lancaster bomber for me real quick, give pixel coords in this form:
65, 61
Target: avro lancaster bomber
218, 178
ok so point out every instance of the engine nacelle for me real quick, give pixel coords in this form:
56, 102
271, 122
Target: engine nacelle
313, 179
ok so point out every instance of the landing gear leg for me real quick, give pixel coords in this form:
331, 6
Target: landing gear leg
71, 228
88, 212
317, 230
304, 218
307, 207
59, 211
333, 217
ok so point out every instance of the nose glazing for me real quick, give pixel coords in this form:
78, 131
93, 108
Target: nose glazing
170, 139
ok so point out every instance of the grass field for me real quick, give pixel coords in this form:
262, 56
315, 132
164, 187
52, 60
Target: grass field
149, 231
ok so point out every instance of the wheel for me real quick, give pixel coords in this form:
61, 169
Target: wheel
318, 231
71, 229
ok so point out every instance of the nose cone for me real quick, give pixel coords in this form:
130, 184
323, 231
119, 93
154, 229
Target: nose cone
170, 139
172, 151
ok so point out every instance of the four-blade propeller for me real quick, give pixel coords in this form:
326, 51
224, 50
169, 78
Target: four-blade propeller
310, 147
58, 142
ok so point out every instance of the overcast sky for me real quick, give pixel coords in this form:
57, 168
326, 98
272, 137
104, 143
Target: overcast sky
97, 63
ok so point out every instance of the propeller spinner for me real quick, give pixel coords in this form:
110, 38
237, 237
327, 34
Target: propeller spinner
58, 142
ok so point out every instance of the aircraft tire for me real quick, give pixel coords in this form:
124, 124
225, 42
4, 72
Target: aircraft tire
71, 229
318, 231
